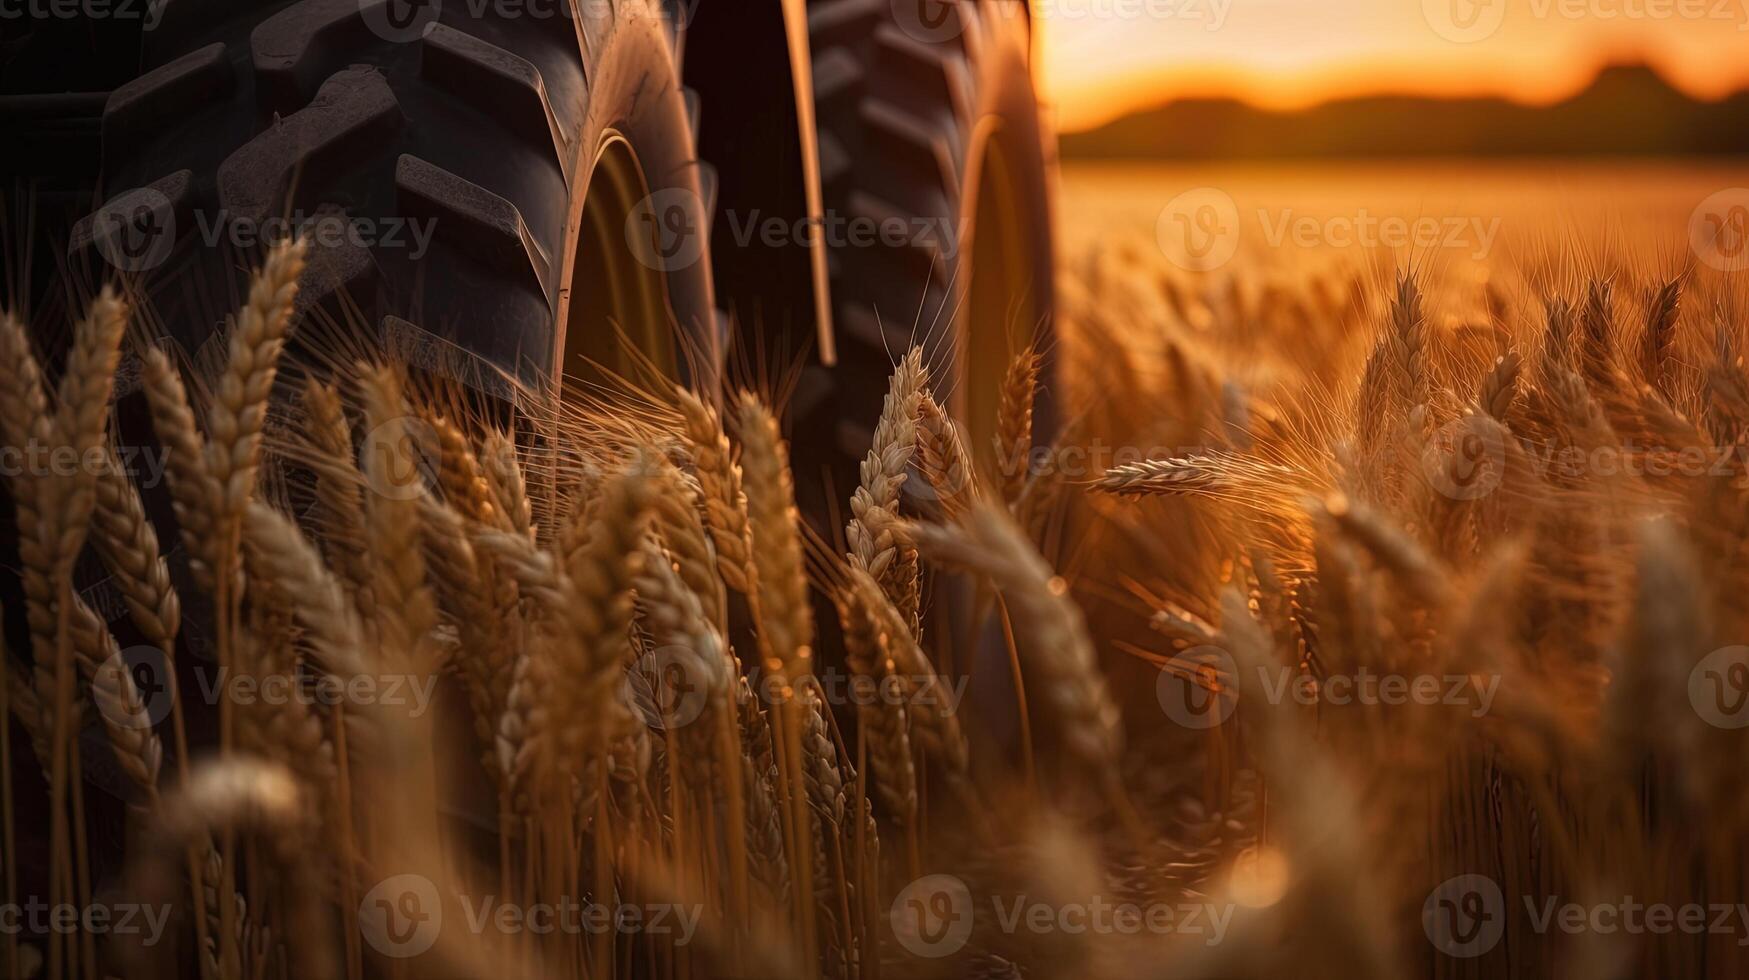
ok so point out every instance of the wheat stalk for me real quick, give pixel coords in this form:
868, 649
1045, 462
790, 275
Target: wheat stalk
1597, 321
509, 488
82, 409
24, 414
685, 638
339, 493
1498, 393
1210, 474
129, 545
885, 727
945, 463
1415, 570
1059, 650
238, 414
561, 708
124, 713
781, 607
875, 505
719, 480
291, 571
931, 723
680, 522
194, 492
1014, 423
407, 611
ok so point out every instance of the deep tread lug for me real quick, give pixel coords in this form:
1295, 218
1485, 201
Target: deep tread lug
342, 124
178, 188
499, 82
842, 19
835, 162
937, 69
178, 89
425, 351
474, 220
334, 269
865, 205
295, 48
836, 73
922, 145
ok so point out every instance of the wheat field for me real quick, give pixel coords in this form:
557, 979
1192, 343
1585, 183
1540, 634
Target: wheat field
1372, 615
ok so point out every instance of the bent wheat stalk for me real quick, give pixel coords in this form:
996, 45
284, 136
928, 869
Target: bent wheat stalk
1059, 649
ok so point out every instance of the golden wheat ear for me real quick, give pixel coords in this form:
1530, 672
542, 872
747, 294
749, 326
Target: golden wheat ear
1658, 337
238, 414
193, 492
1014, 423
394, 480
936, 729
885, 728
719, 479
944, 461
785, 618
563, 704
83, 398
1057, 647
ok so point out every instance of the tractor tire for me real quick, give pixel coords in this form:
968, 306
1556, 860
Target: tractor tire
467, 152
439, 156
927, 121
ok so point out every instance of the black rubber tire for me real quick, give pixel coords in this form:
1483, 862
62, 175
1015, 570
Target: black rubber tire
907, 104
246, 109
486, 125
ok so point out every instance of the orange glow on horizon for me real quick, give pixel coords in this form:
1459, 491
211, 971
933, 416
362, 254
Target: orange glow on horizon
1288, 54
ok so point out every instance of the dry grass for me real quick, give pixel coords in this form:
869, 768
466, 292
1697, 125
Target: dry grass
1362, 472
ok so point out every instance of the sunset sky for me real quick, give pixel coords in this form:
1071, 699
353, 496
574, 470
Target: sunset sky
1102, 58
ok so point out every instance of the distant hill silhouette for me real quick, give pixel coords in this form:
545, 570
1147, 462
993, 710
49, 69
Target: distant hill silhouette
1626, 110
